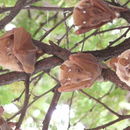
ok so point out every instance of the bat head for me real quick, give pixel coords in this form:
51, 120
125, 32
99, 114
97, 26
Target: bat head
122, 66
80, 71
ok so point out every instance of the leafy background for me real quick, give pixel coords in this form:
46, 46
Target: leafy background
84, 112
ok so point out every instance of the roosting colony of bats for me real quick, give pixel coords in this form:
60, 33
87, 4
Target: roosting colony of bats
81, 70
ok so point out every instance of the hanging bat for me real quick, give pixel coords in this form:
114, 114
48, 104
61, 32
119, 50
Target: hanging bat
17, 51
121, 65
80, 71
91, 14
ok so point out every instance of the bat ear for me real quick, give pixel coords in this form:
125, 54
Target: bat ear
17, 47
7, 35
24, 49
112, 63
86, 61
27, 59
18, 51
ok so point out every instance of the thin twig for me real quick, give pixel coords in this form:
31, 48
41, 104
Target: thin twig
126, 3
50, 8
38, 97
123, 35
91, 109
59, 40
26, 101
71, 101
18, 98
48, 32
42, 24
35, 99
98, 101
96, 33
123, 117
15, 10
67, 32
52, 107
82, 48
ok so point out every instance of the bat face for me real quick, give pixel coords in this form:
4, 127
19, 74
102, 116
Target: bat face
122, 66
91, 14
17, 51
80, 71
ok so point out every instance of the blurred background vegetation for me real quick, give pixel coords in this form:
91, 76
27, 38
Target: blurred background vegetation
83, 112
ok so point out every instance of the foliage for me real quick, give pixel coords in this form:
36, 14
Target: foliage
90, 112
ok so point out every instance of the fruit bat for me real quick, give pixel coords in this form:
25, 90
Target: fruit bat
91, 14
17, 51
80, 71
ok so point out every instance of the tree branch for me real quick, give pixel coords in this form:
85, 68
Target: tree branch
14, 11
98, 101
26, 101
50, 8
110, 123
52, 107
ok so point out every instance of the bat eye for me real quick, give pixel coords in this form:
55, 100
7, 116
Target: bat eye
78, 70
69, 70
84, 22
84, 11
128, 69
9, 54
12, 37
69, 79
78, 79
